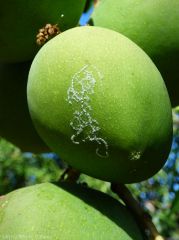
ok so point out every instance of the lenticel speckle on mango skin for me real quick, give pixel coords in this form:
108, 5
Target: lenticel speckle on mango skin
70, 211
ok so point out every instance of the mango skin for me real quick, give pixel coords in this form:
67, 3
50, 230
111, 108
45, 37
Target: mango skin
101, 104
20, 23
66, 212
15, 122
153, 25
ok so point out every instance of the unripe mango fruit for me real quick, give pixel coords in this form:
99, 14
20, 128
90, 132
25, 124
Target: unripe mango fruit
20, 22
68, 212
100, 102
15, 123
153, 25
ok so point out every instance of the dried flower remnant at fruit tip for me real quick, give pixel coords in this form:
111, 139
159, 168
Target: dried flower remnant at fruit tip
85, 127
46, 33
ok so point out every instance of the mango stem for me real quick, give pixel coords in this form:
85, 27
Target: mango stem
144, 219
70, 175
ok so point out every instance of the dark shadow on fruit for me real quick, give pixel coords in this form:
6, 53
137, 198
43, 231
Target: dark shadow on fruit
106, 205
15, 122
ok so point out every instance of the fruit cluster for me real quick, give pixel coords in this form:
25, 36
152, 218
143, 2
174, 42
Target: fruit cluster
98, 96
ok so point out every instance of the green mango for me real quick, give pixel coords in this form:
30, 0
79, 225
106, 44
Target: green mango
68, 212
153, 25
15, 123
101, 104
20, 22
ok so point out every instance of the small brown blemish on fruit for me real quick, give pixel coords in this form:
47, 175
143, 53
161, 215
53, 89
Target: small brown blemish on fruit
46, 33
